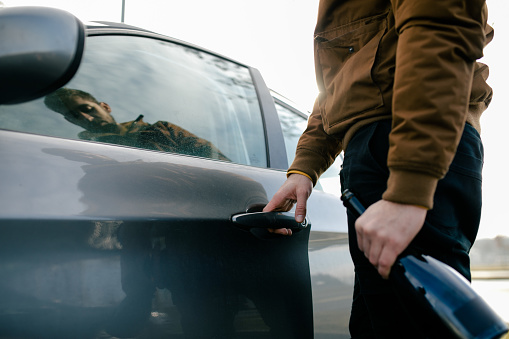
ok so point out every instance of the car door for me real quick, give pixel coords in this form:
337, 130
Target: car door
131, 231
331, 268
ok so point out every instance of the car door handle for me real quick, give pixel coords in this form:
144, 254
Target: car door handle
268, 220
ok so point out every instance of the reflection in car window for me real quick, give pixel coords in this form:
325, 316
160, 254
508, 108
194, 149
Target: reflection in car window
152, 94
293, 124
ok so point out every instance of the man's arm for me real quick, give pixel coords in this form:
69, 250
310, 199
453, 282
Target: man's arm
438, 44
437, 48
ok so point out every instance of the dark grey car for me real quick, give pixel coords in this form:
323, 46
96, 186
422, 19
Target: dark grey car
153, 229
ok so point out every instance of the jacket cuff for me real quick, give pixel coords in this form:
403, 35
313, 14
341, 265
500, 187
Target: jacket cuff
310, 163
411, 188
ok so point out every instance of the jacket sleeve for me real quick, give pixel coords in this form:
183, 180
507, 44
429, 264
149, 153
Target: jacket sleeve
316, 150
439, 42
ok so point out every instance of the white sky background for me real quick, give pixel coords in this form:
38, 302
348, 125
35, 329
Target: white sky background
275, 36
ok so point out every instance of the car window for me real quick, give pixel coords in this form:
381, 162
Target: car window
153, 94
293, 123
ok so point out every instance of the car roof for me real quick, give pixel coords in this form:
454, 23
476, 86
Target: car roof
114, 25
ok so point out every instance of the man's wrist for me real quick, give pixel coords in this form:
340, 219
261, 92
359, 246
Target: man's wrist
298, 172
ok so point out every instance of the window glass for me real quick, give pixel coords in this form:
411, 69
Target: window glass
293, 124
152, 94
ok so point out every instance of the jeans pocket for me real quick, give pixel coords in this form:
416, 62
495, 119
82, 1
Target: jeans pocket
365, 165
469, 158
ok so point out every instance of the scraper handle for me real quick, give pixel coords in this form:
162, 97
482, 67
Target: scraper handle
352, 203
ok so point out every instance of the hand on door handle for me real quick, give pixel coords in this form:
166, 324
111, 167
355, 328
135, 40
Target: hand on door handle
268, 220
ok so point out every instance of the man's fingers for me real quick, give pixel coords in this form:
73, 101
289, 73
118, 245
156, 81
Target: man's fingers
386, 259
300, 211
296, 189
302, 193
362, 237
281, 231
385, 230
273, 204
384, 271
376, 248
283, 200
375, 251
377, 255
366, 245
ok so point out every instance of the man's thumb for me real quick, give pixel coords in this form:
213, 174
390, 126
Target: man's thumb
300, 212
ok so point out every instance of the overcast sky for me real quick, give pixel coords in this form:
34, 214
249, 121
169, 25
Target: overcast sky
275, 36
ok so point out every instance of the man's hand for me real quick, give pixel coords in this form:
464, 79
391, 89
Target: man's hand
296, 189
385, 230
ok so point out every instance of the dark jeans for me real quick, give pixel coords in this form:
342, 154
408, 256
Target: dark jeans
447, 235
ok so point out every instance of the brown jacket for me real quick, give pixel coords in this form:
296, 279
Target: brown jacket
412, 61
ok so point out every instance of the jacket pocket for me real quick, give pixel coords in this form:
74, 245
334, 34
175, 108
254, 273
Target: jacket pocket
346, 57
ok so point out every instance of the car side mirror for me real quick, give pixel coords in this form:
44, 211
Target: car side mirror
40, 51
